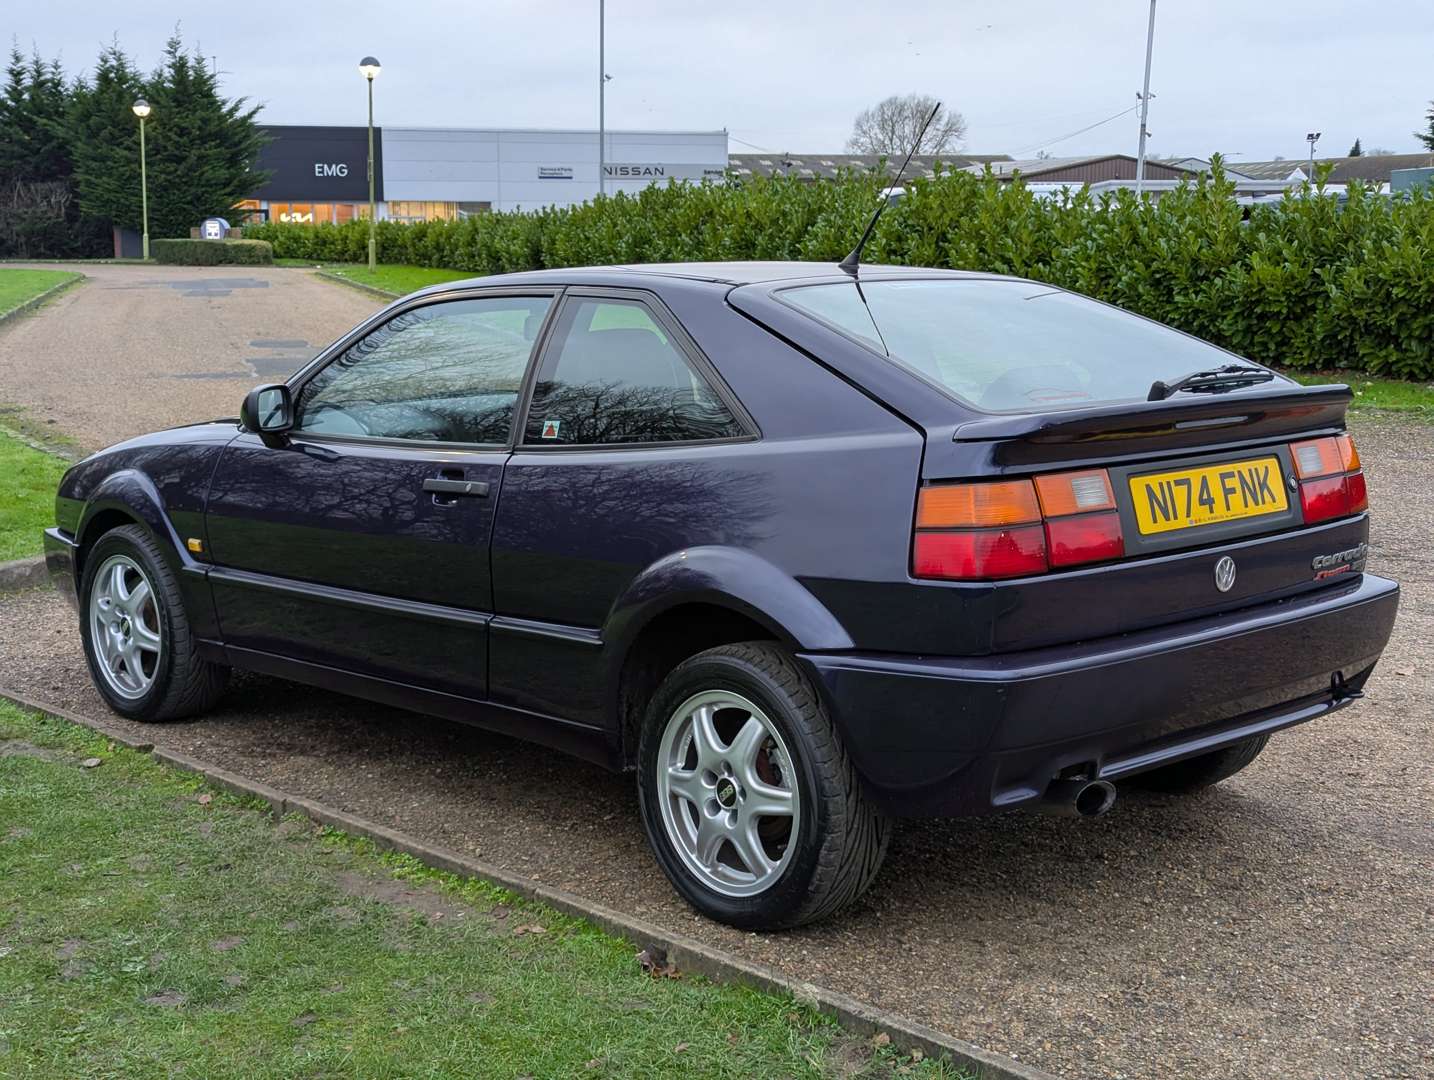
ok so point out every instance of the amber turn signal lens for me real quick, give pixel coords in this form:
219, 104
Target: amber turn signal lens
1348, 454
1075, 493
977, 506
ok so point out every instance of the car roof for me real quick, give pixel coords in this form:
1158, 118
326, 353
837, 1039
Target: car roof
725, 273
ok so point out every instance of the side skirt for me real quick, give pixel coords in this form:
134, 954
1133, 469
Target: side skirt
580, 740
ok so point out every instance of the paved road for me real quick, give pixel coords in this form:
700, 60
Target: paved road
1281, 925
137, 348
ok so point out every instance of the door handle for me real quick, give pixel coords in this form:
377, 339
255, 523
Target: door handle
477, 489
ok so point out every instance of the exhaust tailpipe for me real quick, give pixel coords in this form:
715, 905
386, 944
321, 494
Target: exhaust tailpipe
1078, 797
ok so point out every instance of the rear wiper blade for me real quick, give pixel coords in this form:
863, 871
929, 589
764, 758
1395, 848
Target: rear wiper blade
1214, 381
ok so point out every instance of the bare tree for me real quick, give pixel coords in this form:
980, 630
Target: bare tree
891, 127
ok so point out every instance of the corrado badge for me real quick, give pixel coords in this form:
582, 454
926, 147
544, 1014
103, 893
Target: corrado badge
1340, 562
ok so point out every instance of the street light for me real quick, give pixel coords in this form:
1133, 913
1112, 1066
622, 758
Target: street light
1312, 138
369, 67
141, 109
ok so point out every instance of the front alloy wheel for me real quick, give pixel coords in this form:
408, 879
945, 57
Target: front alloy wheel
730, 802
141, 649
124, 627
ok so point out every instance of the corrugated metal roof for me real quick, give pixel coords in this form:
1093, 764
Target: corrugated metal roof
1372, 168
1035, 167
826, 166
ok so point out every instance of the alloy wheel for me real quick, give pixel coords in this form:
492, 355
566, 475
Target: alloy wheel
728, 791
125, 629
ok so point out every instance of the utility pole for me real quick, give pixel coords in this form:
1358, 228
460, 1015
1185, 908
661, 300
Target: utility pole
602, 97
1145, 104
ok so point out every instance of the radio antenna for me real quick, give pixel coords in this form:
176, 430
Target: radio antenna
853, 260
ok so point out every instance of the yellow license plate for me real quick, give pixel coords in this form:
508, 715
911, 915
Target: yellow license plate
1187, 498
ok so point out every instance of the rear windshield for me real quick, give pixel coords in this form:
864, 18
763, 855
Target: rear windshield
1007, 346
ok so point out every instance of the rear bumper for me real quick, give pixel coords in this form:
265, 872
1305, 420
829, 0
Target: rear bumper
953, 736
60, 561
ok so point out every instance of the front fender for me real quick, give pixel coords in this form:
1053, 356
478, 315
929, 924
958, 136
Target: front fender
132, 493
729, 578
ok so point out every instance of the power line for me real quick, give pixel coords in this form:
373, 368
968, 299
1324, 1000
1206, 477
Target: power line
754, 146
1080, 131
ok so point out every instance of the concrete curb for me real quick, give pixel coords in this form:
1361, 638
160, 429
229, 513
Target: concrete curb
23, 574
372, 290
35, 301
687, 953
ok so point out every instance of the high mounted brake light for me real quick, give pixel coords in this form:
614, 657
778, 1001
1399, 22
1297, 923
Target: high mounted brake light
1013, 528
1331, 480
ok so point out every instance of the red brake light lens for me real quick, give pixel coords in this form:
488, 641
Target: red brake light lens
980, 554
1087, 538
1324, 499
1358, 492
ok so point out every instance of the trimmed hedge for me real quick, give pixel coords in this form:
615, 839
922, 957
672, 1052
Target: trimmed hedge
213, 252
1311, 282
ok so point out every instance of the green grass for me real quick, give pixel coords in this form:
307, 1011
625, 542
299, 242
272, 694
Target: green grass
28, 478
152, 927
17, 286
1370, 392
392, 277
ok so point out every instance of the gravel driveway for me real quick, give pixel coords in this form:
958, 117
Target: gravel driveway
137, 348
1281, 925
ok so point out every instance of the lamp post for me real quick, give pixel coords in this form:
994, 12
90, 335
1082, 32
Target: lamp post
370, 67
141, 109
1312, 138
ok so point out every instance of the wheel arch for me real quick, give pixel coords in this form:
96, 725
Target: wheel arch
127, 497
697, 599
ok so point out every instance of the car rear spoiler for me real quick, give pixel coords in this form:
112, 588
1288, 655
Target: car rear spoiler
1137, 427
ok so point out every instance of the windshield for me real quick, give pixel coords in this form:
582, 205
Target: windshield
1006, 346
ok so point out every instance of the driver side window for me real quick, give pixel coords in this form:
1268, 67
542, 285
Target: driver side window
446, 372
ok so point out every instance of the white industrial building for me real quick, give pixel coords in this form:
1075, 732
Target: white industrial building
319, 174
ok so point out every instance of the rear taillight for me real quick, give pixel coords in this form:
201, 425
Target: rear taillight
1012, 528
1330, 478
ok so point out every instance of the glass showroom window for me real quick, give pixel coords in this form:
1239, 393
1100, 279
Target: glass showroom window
421, 210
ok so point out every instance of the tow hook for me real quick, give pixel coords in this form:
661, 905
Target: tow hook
1341, 690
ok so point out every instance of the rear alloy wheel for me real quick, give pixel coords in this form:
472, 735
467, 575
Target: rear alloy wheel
141, 652
749, 800
1197, 773
730, 803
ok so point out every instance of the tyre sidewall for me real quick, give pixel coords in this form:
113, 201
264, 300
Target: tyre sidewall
125, 541
785, 899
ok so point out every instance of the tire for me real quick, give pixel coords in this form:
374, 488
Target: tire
825, 844
140, 648
1197, 773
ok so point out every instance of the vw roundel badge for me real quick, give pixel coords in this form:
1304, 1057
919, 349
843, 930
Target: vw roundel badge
1225, 573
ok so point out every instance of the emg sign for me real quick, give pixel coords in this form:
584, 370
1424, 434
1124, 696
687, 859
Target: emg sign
319, 164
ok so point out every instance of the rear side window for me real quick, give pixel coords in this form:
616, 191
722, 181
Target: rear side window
1006, 346
446, 372
614, 375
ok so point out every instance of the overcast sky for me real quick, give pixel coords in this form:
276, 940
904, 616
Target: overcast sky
1245, 79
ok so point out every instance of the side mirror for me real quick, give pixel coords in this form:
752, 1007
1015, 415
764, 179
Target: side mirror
268, 411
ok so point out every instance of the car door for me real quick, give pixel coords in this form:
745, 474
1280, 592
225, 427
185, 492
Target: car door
360, 541
632, 448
